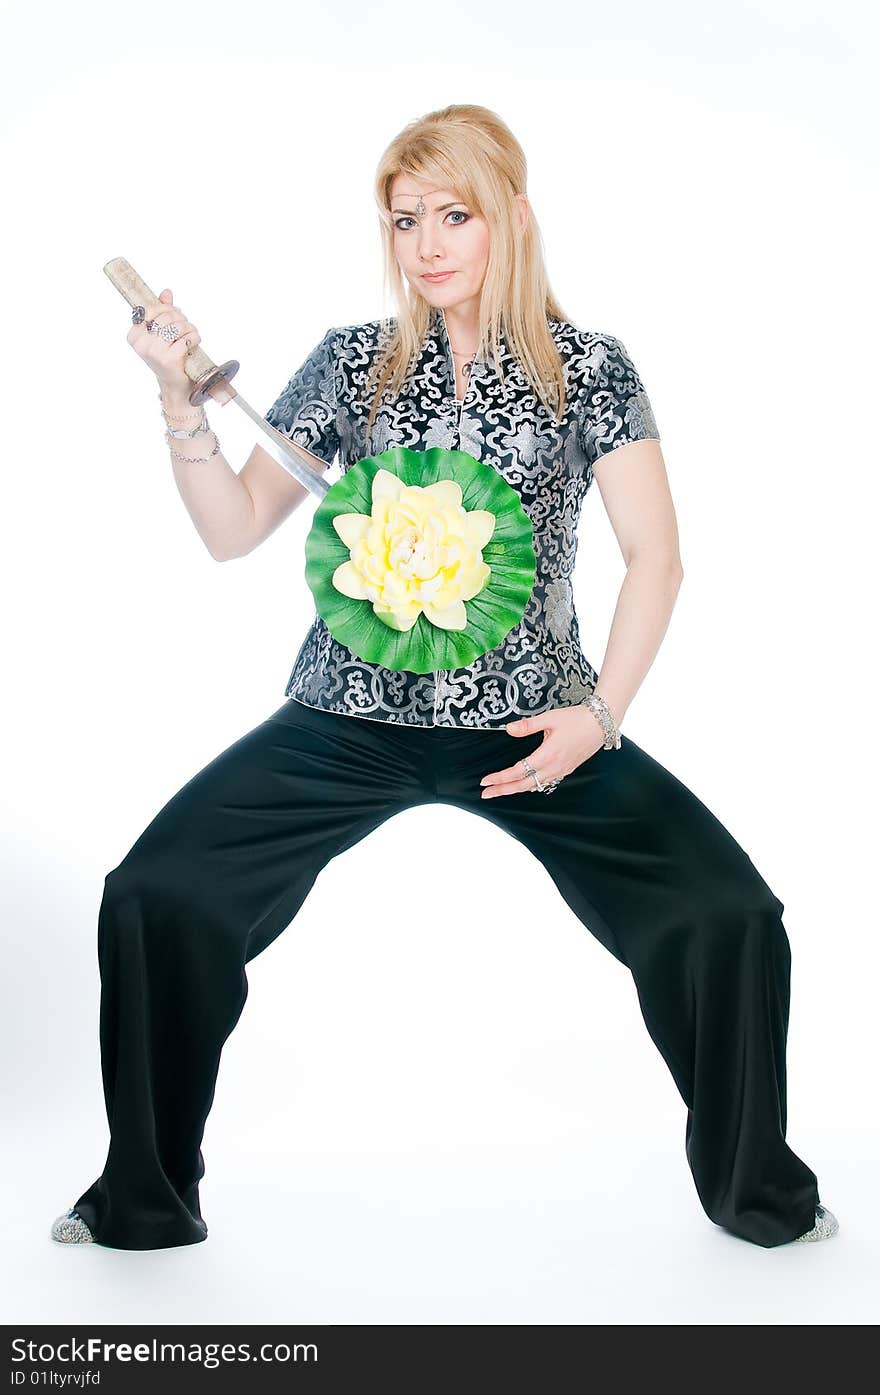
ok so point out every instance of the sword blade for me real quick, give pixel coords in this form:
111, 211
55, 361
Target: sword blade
303, 464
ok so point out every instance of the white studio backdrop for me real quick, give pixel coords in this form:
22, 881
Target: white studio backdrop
454, 1115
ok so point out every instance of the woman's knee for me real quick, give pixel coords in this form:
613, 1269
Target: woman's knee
745, 899
745, 923
164, 898
137, 878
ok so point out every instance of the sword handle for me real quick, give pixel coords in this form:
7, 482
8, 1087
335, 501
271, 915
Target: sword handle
198, 366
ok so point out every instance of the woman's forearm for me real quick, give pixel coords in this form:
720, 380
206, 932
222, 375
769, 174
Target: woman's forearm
217, 501
641, 618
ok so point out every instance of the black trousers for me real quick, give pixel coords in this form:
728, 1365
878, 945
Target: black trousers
225, 865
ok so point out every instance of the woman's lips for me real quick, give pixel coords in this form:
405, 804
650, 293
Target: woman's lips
440, 276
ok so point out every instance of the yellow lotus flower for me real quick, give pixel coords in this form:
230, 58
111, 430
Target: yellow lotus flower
418, 552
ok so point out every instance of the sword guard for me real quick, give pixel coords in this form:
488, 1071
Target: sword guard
205, 385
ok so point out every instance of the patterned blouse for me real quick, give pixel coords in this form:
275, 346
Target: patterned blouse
540, 664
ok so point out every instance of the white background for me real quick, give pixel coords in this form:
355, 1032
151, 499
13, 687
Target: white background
461, 1117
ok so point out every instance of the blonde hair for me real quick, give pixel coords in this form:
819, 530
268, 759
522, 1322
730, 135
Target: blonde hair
470, 150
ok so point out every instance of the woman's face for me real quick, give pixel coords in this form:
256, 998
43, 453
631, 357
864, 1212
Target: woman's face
449, 237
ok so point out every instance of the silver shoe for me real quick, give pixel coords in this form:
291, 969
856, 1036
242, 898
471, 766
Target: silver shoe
71, 1229
826, 1225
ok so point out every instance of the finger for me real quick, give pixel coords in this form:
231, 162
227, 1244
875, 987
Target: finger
163, 309
148, 342
181, 347
185, 330
151, 345
543, 753
511, 787
530, 726
545, 775
151, 312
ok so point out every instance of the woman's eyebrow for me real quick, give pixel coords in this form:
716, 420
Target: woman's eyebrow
439, 209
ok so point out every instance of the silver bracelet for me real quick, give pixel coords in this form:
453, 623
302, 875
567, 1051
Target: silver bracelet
200, 430
602, 712
197, 458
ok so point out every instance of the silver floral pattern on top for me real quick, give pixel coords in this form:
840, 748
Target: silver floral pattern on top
540, 664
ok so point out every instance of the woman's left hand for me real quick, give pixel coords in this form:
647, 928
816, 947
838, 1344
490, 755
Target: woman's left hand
571, 736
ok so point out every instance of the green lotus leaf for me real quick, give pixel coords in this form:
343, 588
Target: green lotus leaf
423, 646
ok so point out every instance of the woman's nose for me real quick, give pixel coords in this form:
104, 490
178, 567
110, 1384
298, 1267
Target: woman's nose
429, 245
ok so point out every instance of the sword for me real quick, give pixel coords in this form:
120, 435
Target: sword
213, 381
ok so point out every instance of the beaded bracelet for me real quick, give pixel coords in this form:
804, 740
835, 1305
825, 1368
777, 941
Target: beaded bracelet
181, 434
173, 416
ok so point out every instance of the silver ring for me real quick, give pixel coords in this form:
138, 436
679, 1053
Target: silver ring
550, 786
530, 770
137, 314
167, 332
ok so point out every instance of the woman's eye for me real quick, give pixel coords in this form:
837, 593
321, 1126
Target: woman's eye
456, 213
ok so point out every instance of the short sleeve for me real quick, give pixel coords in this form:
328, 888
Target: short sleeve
615, 409
306, 408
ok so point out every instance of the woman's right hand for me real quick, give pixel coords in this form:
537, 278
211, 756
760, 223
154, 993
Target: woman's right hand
166, 360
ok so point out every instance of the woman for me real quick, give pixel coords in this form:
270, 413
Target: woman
480, 357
